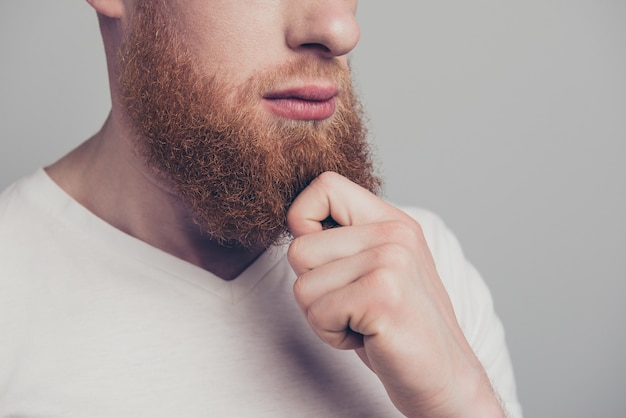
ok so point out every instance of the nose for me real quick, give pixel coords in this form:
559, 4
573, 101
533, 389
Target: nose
328, 27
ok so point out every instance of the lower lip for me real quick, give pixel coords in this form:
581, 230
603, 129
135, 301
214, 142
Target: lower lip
298, 109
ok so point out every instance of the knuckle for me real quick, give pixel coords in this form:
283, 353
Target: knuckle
300, 291
391, 256
398, 231
313, 318
388, 291
325, 181
318, 320
295, 254
326, 178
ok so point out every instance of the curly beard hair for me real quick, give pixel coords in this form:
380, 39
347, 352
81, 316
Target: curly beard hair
235, 167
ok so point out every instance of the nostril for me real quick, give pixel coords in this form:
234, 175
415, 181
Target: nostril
316, 46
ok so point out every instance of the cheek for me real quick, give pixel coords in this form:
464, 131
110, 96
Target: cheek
232, 41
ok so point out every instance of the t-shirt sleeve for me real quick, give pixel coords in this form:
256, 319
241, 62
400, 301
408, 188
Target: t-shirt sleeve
473, 306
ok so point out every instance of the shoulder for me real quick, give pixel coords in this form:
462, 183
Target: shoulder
13, 205
25, 222
16, 195
20, 203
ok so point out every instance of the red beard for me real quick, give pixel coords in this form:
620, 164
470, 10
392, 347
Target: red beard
236, 169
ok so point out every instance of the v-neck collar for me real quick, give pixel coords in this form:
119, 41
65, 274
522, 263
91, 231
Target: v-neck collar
65, 208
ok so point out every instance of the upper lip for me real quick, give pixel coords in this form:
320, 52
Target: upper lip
313, 92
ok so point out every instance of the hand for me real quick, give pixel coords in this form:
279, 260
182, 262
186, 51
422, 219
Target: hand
372, 285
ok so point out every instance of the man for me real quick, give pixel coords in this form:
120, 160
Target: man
150, 272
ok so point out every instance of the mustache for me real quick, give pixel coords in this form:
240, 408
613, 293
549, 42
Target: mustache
302, 69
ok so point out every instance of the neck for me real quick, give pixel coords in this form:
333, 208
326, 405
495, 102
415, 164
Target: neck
106, 176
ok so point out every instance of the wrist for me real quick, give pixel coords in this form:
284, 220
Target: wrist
475, 399
483, 401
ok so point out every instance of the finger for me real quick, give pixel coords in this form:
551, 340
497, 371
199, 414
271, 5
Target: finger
310, 251
332, 195
342, 317
327, 278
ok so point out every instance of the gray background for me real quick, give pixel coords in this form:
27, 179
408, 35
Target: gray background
506, 118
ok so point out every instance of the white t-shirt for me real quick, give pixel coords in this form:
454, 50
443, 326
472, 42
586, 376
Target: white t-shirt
95, 323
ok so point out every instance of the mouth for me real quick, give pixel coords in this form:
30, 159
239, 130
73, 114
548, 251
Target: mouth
307, 103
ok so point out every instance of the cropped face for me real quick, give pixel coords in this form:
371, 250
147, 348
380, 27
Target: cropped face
240, 38
239, 104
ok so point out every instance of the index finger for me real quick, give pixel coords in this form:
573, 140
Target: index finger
332, 195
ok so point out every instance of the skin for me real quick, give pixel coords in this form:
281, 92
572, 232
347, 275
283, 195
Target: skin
370, 286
